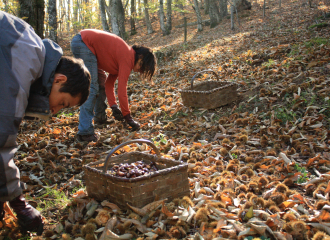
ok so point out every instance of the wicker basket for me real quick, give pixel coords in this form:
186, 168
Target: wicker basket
210, 94
168, 182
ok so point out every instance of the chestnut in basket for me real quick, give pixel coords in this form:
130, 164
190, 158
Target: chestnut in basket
133, 170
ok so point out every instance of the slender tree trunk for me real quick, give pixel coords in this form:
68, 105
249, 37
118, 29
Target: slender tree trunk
185, 29
206, 6
162, 18
280, 4
132, 19
59, 13
81, 16
169, 15
232, 16
115, 28
225, 11
86, 17
199, 17
214, 13
40, 16
264, 9
223, 8
126, 8
105, 25
146, 15
62, 14
239, 24
32, 11
107, 9
52, 15
68, 17
75, 17
139, 8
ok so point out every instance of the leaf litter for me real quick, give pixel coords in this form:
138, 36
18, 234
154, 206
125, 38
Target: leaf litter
258, 168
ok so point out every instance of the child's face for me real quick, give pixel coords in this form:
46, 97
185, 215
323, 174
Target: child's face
137, 66
59, 100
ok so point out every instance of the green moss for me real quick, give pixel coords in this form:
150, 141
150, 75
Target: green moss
319, 25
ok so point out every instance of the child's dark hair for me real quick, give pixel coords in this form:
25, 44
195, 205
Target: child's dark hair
149, 60
78, 77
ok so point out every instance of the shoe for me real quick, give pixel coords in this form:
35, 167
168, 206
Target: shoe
28, 217
134, 125
116, 113
87, 138
100, 120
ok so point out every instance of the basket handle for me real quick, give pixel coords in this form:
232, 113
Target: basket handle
208, 70
127, 143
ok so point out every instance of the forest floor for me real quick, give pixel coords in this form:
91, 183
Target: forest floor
258, 167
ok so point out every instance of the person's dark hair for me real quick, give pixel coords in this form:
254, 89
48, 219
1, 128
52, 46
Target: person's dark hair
149, 61
78, 77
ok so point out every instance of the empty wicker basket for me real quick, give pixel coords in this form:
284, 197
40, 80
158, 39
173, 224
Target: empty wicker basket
168, 182
209, 94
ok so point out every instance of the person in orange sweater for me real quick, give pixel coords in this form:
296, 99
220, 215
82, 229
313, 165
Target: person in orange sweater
105, 52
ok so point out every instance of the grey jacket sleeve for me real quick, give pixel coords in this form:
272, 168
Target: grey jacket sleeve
22, 56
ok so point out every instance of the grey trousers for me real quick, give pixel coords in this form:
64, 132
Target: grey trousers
10, 186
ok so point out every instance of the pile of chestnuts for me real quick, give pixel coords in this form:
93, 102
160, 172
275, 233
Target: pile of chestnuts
139, 168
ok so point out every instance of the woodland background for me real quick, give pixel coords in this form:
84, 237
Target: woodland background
258, 168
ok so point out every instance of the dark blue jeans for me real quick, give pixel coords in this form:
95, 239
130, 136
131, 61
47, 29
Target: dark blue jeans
95, 104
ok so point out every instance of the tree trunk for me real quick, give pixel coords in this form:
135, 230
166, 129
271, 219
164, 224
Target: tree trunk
32, 11
280, 4
75, 17
121, 19
139, 9
79, 12
126, 8
68, 17
86, 17
239, 24
113, 16
52, 20
232, 16
169, 15
214, 13
225, 11
264, 9
162, 18
185, 29
206, 6
117, 16
199, 17
146, 15
108, 10
105, 25
132, 19
223, 8
59, 13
